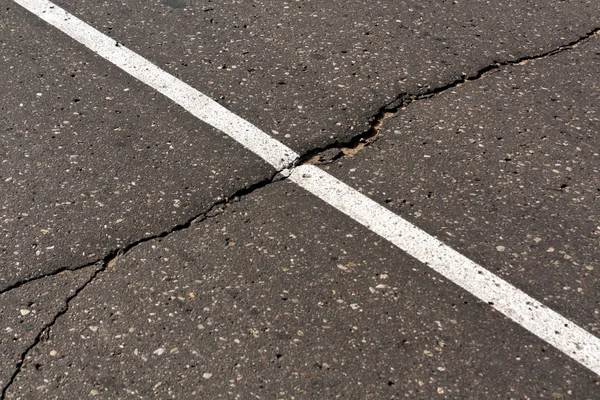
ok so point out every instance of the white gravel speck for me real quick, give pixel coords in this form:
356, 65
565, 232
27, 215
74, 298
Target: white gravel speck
159, 351
207, 375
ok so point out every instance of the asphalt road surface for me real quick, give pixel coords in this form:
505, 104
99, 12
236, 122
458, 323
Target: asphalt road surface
382, 199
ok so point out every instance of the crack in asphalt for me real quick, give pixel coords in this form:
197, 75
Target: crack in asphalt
349, 147
111, 258
44, 332
319, 155
494, 67
181, 226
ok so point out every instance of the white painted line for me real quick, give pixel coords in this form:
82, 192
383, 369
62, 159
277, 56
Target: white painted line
512, 302
198, 104
504, 297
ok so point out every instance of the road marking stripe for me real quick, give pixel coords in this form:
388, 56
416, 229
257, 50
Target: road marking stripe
501, 295
512, 302
196, 103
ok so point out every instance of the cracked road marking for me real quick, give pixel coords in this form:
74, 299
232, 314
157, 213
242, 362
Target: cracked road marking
512, 302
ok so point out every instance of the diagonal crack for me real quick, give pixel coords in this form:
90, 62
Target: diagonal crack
46, 328
112, 257
181, 226
349, 147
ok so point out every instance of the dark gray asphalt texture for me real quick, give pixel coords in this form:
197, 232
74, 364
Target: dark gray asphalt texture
145, 255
